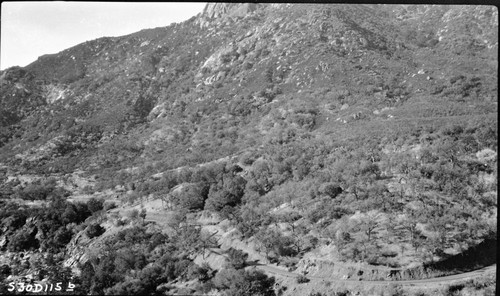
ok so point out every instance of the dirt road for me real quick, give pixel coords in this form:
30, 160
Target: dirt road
440, 280
160, 219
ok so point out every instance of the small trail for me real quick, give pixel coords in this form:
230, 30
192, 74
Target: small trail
177, 169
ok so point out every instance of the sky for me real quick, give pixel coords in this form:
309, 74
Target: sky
32, 29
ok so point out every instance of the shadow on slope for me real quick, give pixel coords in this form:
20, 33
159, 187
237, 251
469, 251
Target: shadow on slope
477, 257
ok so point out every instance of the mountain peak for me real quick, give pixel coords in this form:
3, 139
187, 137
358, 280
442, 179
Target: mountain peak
217, 10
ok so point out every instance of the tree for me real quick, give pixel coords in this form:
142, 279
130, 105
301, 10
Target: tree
299, 239
208, 241
227, 192
95, 205
266, 241
361, 247
203, 273
86, 275
249, 219
131, 287
409, 223
143, 214
99, 274
369, 222
82, 211
236, 258
342, 238
133, 214
23, 240
176, 220
192, 196
188, 239
15, 220
70, 215
302, 279
330, 189
62, 236
290, 219
272, 241
5, 271
244, 283
127, 259
94, 230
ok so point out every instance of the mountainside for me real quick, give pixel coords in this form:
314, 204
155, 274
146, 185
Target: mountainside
306, 133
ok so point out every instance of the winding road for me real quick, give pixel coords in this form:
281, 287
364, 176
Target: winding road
159, 218
440, 280
273, 269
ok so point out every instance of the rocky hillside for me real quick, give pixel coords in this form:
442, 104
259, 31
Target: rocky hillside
357, 129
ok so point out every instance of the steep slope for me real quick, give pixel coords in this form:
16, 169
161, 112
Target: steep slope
120, 81
350, 130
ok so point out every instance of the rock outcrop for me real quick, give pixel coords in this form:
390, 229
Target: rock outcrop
217, 10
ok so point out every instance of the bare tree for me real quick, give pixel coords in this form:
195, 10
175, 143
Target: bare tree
369, 222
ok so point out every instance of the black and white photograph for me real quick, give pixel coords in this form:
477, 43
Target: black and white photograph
248, 149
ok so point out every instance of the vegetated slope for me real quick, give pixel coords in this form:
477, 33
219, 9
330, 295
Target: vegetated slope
373, 128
